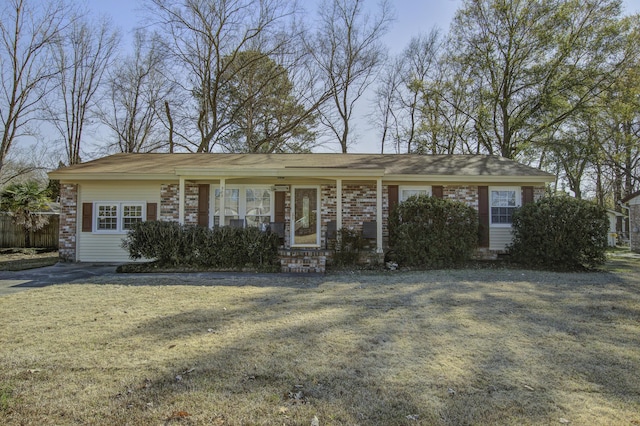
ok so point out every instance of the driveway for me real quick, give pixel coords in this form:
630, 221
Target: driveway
14, 281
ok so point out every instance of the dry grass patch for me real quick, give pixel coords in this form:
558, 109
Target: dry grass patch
21, 259
442, 347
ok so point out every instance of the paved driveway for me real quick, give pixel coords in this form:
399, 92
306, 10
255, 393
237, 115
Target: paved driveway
14, 281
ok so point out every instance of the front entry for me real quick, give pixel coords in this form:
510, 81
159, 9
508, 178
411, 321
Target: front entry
305, 212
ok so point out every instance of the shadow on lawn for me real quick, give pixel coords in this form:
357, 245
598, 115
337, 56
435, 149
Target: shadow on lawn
412, 350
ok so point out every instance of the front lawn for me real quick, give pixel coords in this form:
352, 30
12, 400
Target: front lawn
484, 346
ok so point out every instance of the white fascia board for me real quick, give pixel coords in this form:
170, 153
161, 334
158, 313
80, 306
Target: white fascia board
77, 177
306, 172
471, 179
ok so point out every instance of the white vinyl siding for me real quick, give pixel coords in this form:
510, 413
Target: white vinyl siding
106, 246
499, 238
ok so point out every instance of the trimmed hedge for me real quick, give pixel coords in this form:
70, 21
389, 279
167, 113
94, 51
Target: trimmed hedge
560, 233
433, 232
172, 244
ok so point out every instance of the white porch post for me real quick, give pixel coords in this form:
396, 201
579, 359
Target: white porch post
221, 205
338, 204
379, 216
181, 200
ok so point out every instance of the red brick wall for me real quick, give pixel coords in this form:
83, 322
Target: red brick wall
68, 221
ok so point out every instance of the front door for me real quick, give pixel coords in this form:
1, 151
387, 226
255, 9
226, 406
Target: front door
305, 218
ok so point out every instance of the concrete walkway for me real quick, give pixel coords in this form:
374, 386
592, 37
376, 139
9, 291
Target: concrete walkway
15, 281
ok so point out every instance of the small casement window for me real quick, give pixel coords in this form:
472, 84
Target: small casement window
409, 191
117, 217
503, 202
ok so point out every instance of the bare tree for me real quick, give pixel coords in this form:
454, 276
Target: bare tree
81, 59
386, 108
349, 51
420, 69
205, 39
137, 89
27, 31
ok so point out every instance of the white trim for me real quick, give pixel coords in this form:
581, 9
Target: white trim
338, 203
401, 188
379, 216
518, 202
292, 222
119, 215
181, 200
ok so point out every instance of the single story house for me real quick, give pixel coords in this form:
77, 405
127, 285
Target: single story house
633, 203
306, 197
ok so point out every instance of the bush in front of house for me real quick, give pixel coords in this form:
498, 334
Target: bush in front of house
562, 233
432, 232
170, 244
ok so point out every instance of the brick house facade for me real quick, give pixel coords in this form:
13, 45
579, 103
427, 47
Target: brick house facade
352, 191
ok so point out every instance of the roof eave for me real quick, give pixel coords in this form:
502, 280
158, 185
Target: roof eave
471, 178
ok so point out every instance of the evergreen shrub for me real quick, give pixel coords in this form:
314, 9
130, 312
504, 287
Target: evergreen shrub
432, 232
562, 233
172, 244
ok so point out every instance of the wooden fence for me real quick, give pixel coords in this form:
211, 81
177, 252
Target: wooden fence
13, 236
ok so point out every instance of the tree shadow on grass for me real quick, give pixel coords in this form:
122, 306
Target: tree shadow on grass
411, 350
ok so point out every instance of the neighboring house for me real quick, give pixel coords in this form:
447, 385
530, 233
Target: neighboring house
303, 196
633, 203
617, 224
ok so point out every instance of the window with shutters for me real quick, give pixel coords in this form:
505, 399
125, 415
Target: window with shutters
503, 201
254, 204
117, 217
409, 191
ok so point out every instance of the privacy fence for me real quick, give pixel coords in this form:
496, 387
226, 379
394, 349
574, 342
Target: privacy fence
13, 236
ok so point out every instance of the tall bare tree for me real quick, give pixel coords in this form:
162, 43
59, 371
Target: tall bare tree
136, 91
27, 31
81, 58
349, 50
205, 39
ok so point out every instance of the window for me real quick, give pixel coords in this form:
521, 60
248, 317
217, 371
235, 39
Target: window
258, 206
409, 191
254, 204
131, 214
117, 217
503, 202
107, 217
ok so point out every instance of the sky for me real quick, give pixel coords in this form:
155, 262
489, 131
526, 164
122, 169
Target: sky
413, 17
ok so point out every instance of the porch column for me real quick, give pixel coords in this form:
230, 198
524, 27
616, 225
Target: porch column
221, 205
338, 204
181, 201
379, 216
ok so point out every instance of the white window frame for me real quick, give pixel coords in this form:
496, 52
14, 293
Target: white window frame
518, 201
292, 213
120, 205
242, 201
426, 188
